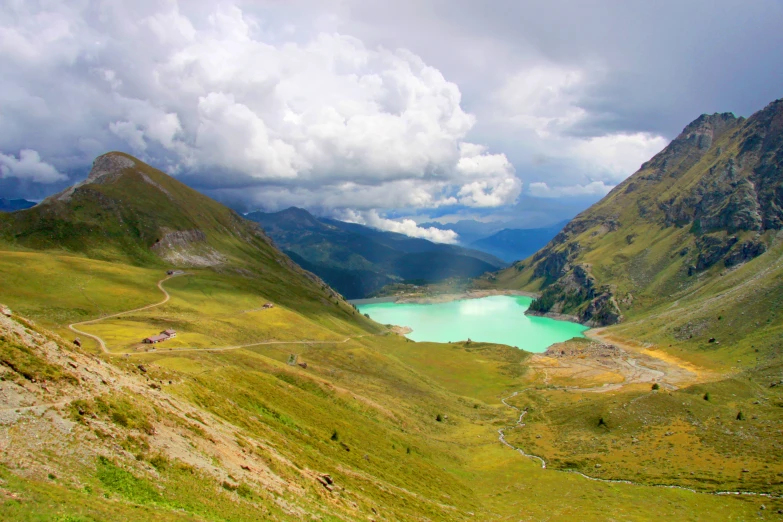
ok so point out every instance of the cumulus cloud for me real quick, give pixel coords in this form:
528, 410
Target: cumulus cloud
541, 189
618, 155
542, 108
365, 104
210, 93
30, 167
404, 226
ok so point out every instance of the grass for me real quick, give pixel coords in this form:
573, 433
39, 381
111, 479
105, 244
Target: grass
170, 442
208, 311
661, 437
24, 362
381, 395
58, 289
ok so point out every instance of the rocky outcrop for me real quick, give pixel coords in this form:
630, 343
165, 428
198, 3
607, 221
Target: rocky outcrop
740, 190
712, 249
179, 238
105, 169
554, 264
601, 311
715, 248
187, 248
689, 147
577, 294
744, 252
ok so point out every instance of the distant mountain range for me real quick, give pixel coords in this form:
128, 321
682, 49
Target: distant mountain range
515, 244
357, 260
11, 205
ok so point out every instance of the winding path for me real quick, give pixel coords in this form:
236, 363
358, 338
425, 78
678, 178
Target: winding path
100, 342
72, 326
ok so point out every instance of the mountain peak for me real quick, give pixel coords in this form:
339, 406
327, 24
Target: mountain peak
292, 216
106, 168
708, 202
109, 166
707, 128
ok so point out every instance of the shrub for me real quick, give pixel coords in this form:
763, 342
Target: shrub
740, 416
656, 386
159, 462
707, 396
245, 491
439, 417
335, 436
602, 422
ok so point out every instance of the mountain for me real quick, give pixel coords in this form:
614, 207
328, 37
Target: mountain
276, 400
409, 244
129, 212
528, 213
11, 205
514, 244
358, 260
690, 244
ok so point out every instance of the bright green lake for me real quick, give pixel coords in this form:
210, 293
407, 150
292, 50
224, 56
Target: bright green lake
495, 319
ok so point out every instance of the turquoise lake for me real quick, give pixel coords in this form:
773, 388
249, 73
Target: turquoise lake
495, 319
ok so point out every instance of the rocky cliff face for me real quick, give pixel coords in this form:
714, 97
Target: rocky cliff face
720, 180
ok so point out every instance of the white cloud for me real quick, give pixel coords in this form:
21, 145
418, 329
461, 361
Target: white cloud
541, 107
210, 91
618, 155
404, 226
541, 189
29, 166
542, 98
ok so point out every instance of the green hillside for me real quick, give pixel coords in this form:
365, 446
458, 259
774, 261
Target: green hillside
358, 260
681, 250
131, 214
305, 410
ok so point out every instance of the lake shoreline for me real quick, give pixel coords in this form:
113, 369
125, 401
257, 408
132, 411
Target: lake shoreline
442, 298
485, 316
557, 317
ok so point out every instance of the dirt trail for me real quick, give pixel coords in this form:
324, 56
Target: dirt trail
20, 409
239, 346
165, 300
72, 326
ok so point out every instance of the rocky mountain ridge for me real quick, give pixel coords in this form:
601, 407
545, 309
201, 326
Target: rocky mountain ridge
717, 188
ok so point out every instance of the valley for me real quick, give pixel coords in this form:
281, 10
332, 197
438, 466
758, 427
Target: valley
309, 409
413, 261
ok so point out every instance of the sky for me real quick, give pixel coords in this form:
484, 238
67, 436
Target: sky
384, 113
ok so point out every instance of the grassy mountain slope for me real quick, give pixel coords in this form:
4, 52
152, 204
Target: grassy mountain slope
134, 215
358, 260
239, 435
665, 242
